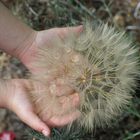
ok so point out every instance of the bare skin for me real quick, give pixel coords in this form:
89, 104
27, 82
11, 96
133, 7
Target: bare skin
19, 40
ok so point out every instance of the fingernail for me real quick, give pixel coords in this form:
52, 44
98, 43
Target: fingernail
45, 133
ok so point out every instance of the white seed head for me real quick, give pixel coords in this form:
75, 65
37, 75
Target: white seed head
53, 89
104, 71
75, 58
68, 50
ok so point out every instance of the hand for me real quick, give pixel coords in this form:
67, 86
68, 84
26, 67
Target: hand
21, 41
39, 39
27, 56
13, 95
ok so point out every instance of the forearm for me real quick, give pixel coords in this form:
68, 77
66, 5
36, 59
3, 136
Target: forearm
15, 36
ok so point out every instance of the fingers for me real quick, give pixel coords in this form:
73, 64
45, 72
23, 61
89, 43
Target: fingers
76, 29
71, 101
66, 31
31, 119
64, 90
20, 104
60, 88
63, 120
65, 113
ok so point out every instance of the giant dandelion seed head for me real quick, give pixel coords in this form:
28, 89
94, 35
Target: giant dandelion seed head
101, 65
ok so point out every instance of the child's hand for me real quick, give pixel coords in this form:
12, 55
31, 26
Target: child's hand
43, 39
14, 97
59, 112
27, 56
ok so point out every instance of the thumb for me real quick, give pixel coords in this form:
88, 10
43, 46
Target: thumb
32, 120
66, 31
76, 29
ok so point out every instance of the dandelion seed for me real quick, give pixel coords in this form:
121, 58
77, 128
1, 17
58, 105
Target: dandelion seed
53, 89
75, 58
101, 65
68, 50
57, 56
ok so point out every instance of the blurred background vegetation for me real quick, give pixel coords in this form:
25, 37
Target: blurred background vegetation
45, 14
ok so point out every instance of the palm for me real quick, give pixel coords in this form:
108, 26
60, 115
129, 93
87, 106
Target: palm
20, 102
45, 39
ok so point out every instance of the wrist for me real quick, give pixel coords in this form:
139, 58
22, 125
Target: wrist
24, 47
14, 35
